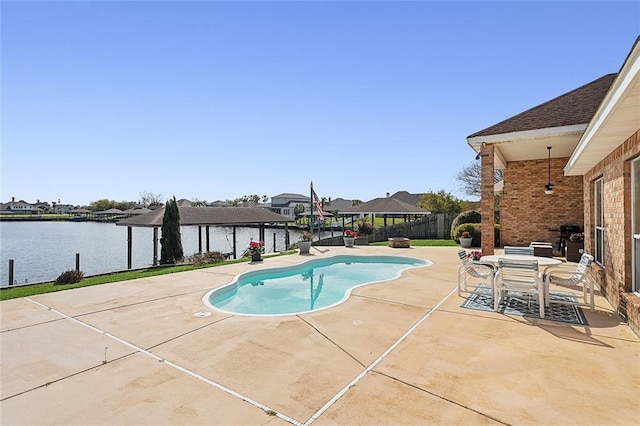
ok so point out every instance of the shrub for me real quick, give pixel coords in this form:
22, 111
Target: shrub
293, 246
365, 228
469, 216
200, 259
70, 277
473, 229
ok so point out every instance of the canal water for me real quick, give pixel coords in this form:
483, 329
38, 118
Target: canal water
42, 250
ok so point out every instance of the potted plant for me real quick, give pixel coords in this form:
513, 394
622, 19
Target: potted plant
256, 248
474, 255
365, 230
349, 237
305, 242
465, 239
574, 247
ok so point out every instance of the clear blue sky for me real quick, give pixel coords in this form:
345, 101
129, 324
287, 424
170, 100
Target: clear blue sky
216, 100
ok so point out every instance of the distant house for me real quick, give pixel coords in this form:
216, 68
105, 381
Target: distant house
63, 208
20, 207
339, 204
219, 203
406, 197
43, 206
285, 204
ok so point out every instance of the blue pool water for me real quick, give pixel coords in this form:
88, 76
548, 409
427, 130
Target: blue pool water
310, 286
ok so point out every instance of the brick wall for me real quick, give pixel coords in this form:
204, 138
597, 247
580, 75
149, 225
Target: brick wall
615, 276
487, 204
527, 213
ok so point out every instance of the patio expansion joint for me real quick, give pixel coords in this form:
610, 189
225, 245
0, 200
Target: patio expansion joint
444, 398
31, 325
391, 302
375, 363
166, 362
331, 341
190, 331
132, 304
67, 376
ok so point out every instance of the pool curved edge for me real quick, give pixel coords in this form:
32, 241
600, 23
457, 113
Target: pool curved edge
227, 287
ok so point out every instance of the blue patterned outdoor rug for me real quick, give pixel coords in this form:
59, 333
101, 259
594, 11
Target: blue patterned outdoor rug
527, 305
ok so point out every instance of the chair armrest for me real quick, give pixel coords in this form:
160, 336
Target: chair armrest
489, 265
477, 268
563, 272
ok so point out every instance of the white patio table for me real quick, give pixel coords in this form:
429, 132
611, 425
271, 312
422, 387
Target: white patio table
542, 261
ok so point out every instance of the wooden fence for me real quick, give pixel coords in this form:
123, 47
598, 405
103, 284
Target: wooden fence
432, 227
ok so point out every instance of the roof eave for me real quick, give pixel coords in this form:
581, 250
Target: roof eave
476, 142
586, 156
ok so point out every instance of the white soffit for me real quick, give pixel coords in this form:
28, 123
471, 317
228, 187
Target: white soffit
532, 144
617, 118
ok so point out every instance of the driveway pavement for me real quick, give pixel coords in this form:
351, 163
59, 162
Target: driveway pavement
395, 353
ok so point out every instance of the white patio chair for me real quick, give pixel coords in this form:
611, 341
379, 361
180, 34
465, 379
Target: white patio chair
471, 269
526, 251
571, 276
519, 276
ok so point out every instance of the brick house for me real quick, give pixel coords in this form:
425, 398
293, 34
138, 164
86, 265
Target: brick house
586, 144
285, 204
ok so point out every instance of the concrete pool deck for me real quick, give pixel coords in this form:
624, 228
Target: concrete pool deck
398, 352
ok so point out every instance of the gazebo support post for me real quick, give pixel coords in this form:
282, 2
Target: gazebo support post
129, 246
155, 245
234, 242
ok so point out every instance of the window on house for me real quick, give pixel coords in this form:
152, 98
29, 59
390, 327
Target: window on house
598, 220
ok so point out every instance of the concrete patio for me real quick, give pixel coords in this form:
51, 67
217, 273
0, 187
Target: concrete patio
395, 353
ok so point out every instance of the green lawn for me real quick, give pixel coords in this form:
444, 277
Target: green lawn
50, 287
423, 243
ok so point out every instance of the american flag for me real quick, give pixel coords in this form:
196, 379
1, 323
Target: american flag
316, 202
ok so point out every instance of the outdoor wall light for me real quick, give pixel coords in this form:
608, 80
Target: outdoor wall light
480, 152
548, 188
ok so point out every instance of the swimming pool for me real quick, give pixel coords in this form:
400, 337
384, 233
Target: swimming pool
311, 286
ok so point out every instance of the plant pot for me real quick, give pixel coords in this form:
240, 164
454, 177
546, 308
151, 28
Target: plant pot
573, 250
348, 241
465, 241
256, 257
304, 246
362, 241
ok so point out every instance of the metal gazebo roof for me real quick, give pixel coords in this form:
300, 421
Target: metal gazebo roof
202, 216
194, 216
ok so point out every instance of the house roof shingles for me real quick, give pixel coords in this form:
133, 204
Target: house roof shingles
575, 107
385, 205
406, 197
